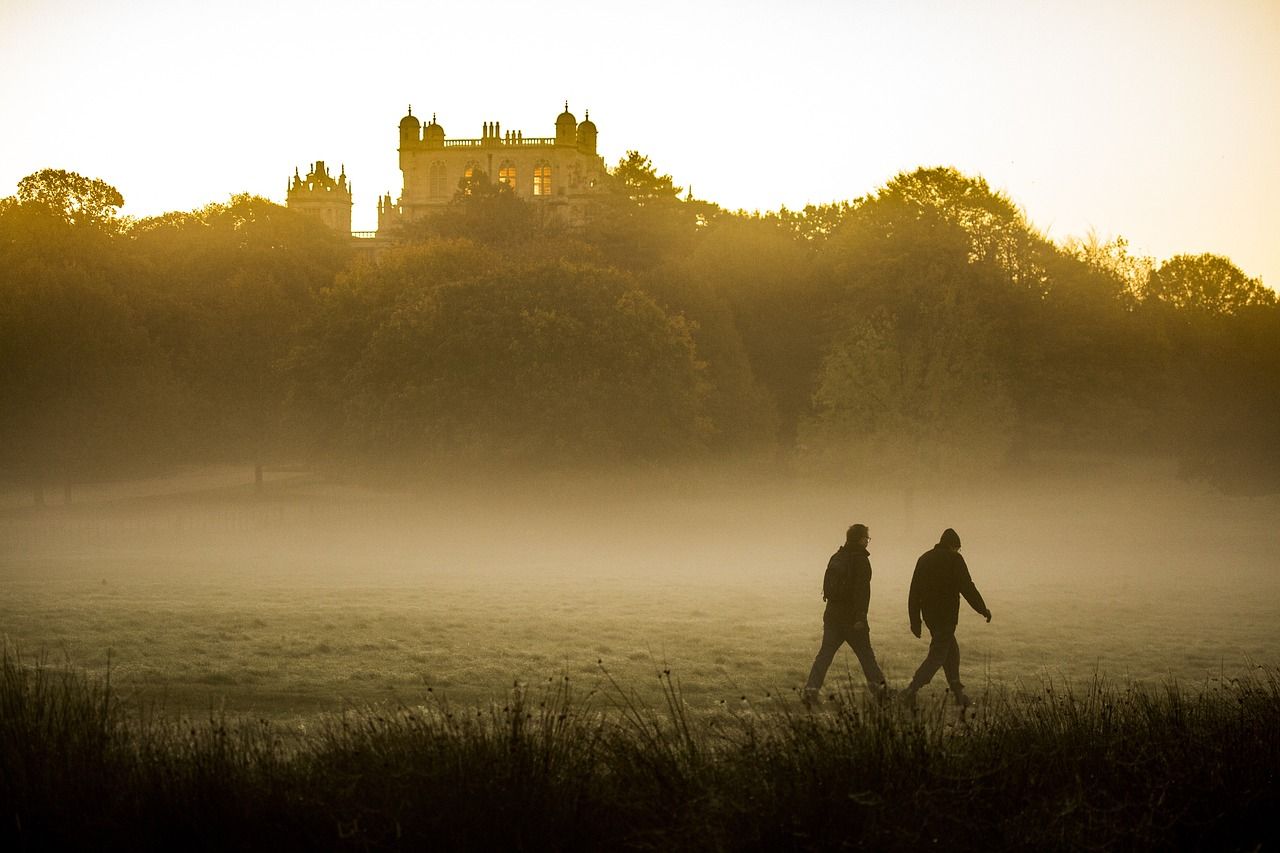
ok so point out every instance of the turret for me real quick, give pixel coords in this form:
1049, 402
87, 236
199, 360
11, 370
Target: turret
566, 127
433, 134
587, 135
409, 136
409, 127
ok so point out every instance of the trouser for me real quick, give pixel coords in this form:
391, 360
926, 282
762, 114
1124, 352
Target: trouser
859, 639
944, 654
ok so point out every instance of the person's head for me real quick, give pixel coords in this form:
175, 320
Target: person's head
950, 539
858, 534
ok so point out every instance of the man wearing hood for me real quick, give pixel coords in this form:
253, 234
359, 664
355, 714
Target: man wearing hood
940, 578
846, 587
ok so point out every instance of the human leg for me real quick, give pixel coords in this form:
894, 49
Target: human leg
860, 642
832, 637
939, 649
951, 666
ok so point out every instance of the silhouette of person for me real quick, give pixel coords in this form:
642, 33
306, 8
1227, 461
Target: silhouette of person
846, 587
940, 578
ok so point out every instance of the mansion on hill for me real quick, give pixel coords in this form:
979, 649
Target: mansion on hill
558, 173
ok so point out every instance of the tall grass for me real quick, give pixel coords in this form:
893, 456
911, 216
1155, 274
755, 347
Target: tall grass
1106, 767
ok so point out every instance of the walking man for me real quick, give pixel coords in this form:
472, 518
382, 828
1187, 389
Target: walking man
941, 577
846, 587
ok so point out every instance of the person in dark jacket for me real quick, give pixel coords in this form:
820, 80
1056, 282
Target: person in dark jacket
847, 590
940, 578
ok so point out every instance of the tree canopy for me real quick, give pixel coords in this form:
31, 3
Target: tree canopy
71, 197
1206, 283
920, 330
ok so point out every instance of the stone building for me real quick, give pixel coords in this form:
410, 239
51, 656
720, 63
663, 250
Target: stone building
319, 194
557, 173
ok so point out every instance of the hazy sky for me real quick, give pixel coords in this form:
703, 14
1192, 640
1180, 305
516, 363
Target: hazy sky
1159, 121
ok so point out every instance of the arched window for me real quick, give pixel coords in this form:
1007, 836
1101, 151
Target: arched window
436, 188
507, 174
542, 179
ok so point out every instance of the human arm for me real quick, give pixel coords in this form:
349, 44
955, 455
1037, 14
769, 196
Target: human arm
860, 586
913, 600
970, 591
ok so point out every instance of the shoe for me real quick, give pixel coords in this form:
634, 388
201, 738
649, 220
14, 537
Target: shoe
907, 698
811, 697
962, 699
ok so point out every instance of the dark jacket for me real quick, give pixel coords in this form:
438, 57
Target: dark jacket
847, 585
941, 577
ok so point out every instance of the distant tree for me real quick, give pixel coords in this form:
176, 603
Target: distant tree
637, 219
1226, 399
638, 179
448, 352
1209, 284
812, 225
914, 396
762, 320
1223, 372
231, 285
996, 231
75, 199
1128, 273
483, 211
83, 391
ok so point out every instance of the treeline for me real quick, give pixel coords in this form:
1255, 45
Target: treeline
926, 329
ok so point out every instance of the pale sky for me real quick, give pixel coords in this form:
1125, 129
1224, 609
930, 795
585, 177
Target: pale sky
1158, 121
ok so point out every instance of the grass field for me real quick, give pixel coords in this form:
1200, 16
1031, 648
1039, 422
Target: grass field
611, 664
320, 596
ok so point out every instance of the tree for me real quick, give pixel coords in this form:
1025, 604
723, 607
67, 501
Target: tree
638, 179
83, 390
637, 220
761, 323
915, 397
995, 230
75, 199
1223, 372
230, 286
1127, 273
812, 225
1205, 284
449, 352
483, 211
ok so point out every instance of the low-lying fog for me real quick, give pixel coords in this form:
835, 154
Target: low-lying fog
317, 594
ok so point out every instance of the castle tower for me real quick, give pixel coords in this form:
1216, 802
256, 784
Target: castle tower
321, 195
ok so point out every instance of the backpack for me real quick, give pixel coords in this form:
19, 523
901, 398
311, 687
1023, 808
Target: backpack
835, 583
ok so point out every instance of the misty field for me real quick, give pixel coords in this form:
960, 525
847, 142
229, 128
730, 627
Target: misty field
612, 663
318, 597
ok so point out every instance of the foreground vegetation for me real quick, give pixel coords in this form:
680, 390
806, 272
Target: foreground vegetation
1098, 768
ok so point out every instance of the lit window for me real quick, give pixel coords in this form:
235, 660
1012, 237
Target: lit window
473, 168
507, 174
542, 179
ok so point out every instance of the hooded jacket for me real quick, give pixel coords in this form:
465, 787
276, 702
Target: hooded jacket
940, 578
